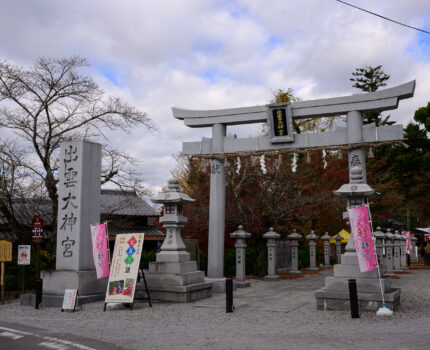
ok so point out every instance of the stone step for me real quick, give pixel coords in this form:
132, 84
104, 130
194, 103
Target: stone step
364, 285
174, 279
353, 271
172, 267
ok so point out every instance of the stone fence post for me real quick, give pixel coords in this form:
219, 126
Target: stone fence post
397, 244
326, 238
294, 239
240, 236
312, 238
272, 240
338, 239
403, 260
414, 256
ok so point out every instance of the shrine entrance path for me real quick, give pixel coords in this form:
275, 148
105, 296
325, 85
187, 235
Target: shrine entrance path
268, 315
279, 296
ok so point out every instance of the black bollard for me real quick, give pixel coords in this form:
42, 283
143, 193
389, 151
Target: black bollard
353, 298
39, 287
229, 295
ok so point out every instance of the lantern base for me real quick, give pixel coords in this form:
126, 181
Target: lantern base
272, 278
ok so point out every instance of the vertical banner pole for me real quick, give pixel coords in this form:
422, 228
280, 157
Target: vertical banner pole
107, 239
38, 260
23, 278
2, 282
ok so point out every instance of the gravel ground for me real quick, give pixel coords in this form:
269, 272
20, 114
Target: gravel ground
205, 325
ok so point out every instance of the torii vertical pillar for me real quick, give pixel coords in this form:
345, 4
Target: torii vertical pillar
217, 212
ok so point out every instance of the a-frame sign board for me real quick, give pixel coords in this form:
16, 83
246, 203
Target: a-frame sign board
124, 270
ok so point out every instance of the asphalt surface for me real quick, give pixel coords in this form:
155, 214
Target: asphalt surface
20, 337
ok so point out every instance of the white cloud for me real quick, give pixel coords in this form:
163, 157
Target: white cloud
217, 54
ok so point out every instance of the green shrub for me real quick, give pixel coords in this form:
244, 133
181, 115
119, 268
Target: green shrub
304, 258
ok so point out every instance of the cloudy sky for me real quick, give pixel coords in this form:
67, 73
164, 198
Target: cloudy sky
209, 54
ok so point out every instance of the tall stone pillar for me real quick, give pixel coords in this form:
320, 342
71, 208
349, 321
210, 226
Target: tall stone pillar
312, 238
294, 244
396, 251
272, 241
326, 238
379, 243
78, 208
338, 239
389, 237
217, 213
240, 235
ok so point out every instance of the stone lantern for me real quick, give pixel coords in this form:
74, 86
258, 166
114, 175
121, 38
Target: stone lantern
272, 239
173, 277
173, 220
389, 237
379, 242
414, 256
294, 243
240, 235
326, 238
338, 239
312, 238
403, 261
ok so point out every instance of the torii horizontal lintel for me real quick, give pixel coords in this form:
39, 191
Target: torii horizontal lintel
379, 100
329, 139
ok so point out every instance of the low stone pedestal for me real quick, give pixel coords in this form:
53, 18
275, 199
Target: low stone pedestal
218, 284
55, 283
335, 294
175, 281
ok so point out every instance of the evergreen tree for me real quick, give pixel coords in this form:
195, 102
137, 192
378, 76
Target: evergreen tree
370, 79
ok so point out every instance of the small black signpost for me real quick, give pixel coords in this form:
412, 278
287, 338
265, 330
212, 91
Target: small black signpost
37, 239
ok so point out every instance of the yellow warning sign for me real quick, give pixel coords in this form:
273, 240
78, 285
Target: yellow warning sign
5, 250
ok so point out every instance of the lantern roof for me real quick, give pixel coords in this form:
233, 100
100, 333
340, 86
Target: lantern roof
172, 194
294, 235
271, 234
240, 233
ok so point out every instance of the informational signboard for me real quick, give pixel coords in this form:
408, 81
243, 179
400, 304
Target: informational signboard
24, 254
5, 251
69, 301
100, 250
124, 268
37, 230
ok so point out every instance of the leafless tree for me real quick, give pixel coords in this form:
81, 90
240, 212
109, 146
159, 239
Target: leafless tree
53, 101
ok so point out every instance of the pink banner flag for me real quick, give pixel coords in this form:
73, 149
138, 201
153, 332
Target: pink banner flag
362, 233
100, 252
408, 242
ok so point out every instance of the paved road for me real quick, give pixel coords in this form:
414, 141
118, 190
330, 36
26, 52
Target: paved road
19, 337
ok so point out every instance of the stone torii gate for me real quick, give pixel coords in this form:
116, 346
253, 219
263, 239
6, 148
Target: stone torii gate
279, 117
